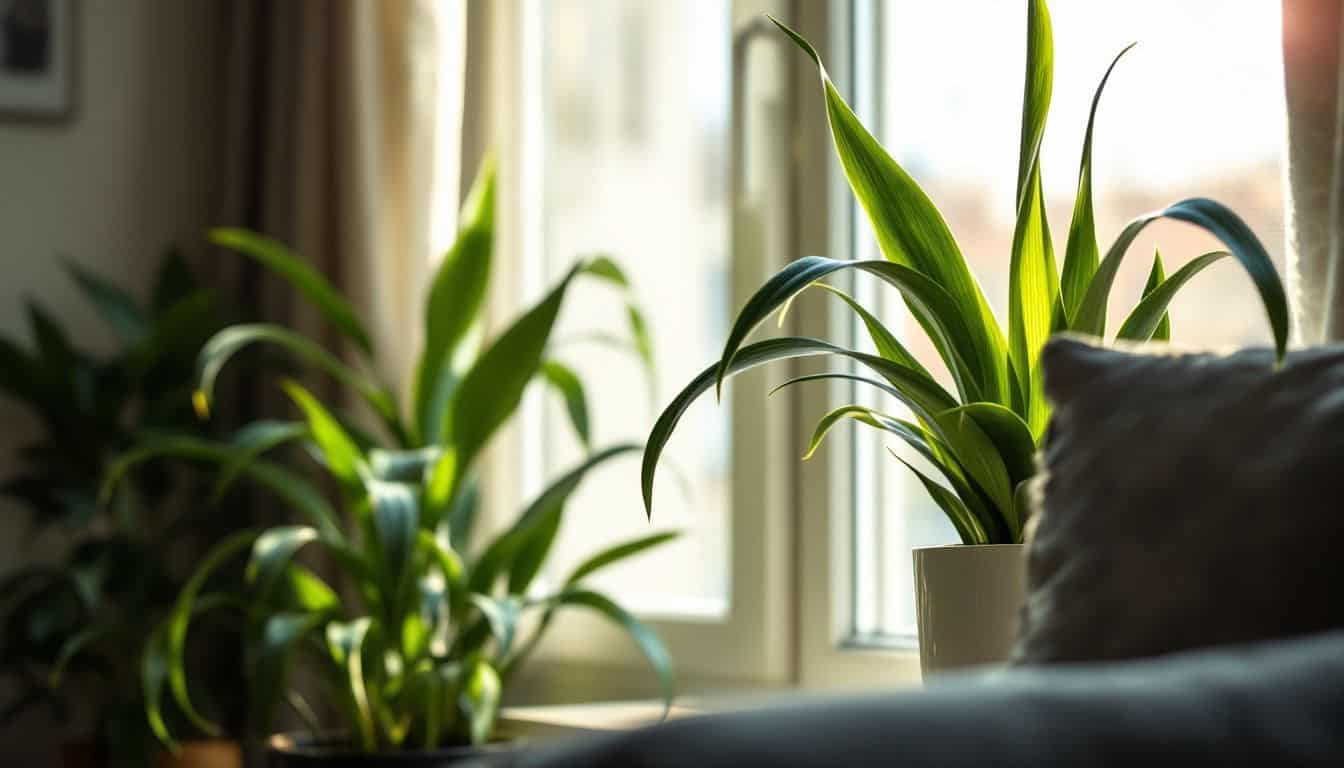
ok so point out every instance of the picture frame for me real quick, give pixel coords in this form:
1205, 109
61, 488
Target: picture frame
36, 47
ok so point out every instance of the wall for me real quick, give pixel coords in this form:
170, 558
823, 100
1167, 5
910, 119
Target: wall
125, 175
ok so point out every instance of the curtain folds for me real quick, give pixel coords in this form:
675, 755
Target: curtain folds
342, 139
1314, 80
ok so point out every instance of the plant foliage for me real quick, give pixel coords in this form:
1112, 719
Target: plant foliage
980, 438
421, 632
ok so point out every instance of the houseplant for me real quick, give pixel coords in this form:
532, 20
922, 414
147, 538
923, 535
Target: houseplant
980, 439
65, 626
418, 639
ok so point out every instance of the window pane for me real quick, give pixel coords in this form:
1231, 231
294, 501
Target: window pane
634, 164
1195, 109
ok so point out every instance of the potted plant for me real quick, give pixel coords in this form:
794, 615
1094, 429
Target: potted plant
417, 641
67, 626
980, 438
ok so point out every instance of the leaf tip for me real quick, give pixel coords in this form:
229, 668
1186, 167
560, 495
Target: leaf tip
200, 403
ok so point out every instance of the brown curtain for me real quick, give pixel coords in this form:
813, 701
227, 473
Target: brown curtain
1315, 234
340, 137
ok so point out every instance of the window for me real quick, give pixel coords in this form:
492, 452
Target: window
952, 121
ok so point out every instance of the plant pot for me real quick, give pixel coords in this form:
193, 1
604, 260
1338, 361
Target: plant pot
303, 750
967, 599
80, 753
205, 753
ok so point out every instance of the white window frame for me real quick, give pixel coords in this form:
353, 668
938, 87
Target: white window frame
790, 617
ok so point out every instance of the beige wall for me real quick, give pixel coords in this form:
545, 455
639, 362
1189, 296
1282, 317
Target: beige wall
125, 175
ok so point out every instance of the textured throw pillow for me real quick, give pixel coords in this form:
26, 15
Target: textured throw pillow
1185, 500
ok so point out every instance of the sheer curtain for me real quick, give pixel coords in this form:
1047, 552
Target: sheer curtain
1312, 65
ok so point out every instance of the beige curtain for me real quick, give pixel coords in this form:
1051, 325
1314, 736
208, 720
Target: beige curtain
1313, 69
342, 138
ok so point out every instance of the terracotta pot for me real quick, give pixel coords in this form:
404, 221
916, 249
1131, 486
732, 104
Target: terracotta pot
967, 599
212, 753
302, 750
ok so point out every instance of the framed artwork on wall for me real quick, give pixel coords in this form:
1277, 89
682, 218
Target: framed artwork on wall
36, 38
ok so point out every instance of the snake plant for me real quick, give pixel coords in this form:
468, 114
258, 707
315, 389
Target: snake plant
981, 438
417, 639
67, 624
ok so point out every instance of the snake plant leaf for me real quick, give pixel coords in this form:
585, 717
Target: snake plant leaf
178, 620
229, 341
492, 388
643, 636
343, 458
119, 309
395, 510
965, 523
501, 614
618, 553
273, 255
1155, 278
1147, 319
911, 232
1081, 253
1222, 223
886, 343
280, 636
252, 441
523, 547
1033, 283
937, 310
345, 644
272, 552
454, 304
917, 391
480, 697
566, 383
289, 487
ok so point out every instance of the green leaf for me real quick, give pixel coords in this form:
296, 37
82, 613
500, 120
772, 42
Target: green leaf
978, 455
343, 458
1081, 253
75, 645
644, 637
396, 519
639, 333
180, 618
1218, 221
345, 643
566, 383
272, 552
53, 345
942, 316
859, 413
522, 549
455, 300
617, 553
886, 343
491, 390
252, 441
291, 488
303, 590
153, 674
1148, 319
919, 392
1010, 435
273, 255
968, 528
501, 614
1155, 278
223, 345
119, 310
480, 699
462, 515
911, 232
1033, 291
269, 663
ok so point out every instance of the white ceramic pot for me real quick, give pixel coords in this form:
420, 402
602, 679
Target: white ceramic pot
967, 599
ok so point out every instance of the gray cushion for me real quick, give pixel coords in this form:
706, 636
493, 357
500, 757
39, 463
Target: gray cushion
1278, 703
1186, 500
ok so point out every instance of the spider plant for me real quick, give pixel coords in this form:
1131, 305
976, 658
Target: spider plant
417, 639
981, 438
65, 626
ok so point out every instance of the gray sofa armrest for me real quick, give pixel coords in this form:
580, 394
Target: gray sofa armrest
1280, 702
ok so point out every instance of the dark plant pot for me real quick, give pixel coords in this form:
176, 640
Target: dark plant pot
303, 750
